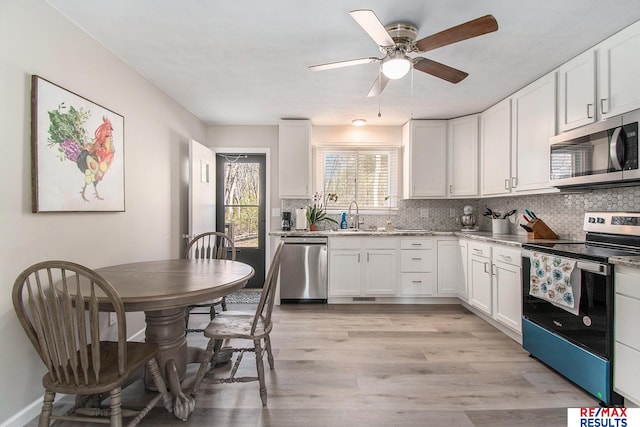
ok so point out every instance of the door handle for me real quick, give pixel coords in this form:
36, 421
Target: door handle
615, 148
589, 115
602, 101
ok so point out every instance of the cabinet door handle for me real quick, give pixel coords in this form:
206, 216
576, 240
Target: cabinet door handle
589, 115
367, 256
493, 267
506, 183
450, 188
514, 182
358, 258
485, 267
602, 101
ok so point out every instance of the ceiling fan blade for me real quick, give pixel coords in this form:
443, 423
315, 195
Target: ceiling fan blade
372, 25
340, 64
476, 27
437, 69
378, 85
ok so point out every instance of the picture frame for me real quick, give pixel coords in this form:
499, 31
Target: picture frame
77, 152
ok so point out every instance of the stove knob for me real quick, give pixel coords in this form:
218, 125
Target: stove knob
600, 220
592, 220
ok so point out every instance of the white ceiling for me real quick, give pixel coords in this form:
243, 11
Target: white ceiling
245, 62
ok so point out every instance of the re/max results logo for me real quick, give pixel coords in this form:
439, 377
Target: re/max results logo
603, 417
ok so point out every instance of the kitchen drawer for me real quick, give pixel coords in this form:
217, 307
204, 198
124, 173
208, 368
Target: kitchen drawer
627, 282
482, 250
345, 243
416, 284
507, 255
626, 316
416, 261
380, 242
417, 244
625, 371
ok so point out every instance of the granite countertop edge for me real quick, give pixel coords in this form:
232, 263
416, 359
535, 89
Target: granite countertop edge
515, 240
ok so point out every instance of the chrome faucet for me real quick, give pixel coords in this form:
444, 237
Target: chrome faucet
355, 220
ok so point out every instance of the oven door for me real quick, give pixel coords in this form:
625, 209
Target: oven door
591, 329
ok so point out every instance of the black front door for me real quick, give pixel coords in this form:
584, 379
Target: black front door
241, 201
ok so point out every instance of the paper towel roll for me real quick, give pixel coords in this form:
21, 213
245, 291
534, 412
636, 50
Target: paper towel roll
301, 219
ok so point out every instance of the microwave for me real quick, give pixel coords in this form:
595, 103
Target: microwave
605, 152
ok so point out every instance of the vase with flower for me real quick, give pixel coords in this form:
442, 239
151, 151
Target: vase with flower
317, 213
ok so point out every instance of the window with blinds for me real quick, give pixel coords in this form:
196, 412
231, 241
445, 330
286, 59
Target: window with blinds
368, 176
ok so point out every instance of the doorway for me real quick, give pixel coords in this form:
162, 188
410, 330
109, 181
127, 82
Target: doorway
241, 207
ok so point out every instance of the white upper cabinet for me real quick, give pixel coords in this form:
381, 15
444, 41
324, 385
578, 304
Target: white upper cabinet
294, 159
424, 159
619, 71
462, 154
602, 82
533, 123
577, 92
495, 140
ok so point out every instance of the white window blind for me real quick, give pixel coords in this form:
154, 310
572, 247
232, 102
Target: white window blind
366, 175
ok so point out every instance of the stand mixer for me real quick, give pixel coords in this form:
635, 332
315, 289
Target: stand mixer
468, 219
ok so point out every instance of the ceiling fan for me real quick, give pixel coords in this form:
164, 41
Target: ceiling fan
397, 40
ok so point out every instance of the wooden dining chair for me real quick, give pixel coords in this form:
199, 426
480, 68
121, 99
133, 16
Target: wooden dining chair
58, 307
240, 325
210, 245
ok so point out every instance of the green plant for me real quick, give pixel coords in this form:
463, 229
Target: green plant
317, 213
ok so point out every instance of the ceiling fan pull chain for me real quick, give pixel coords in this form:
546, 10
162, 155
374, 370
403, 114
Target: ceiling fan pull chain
380, 91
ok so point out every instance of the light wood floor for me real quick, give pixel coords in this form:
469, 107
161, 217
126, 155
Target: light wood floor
385, 365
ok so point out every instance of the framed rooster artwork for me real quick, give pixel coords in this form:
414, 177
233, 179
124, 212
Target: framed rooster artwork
77, 149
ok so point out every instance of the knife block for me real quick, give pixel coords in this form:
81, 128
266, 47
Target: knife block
540, 230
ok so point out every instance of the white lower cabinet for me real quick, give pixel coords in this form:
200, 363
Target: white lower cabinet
479, 269
417, 273
494, 276
451, 268
626, 347
507, 283
362, 266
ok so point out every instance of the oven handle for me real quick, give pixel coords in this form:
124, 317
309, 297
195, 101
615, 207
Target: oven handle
590, 266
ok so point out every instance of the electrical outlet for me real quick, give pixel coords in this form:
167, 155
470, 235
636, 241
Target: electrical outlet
112, 318
452, 213
424, 213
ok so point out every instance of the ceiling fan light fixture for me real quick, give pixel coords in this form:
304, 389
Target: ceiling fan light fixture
358, 122
396, 66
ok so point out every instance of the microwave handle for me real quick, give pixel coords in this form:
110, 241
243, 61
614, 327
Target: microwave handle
616, 144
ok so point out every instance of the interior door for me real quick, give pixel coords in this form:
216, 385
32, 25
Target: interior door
241, 201
202, 189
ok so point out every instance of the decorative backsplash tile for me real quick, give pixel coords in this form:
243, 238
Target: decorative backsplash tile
562, 212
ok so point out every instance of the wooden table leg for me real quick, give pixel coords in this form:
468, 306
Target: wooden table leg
166, 328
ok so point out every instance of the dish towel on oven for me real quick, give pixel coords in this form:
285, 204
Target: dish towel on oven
551, 280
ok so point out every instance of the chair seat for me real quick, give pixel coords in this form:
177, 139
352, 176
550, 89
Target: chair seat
235, 324
138, 353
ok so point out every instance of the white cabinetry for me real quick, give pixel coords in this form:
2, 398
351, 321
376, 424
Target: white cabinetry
577, 91
294, 159
417, 274
507, 273
618, 71
495, 140
601, 82
362, 266
533, 123
494, 273
451, 279
462, 155
626, 348
479, 270
424, 159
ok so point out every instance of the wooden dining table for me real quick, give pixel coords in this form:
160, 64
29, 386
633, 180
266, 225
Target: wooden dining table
163, 290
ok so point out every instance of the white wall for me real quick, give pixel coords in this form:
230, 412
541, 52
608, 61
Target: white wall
36, 39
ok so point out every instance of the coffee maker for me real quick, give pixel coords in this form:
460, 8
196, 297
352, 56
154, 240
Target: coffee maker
286, 221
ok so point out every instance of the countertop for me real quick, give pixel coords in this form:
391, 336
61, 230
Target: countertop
516, 240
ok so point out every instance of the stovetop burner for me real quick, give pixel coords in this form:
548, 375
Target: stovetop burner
608, 234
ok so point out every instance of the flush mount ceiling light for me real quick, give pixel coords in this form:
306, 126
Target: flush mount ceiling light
396, 65
358, 122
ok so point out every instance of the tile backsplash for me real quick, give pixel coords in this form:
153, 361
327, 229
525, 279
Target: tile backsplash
562, 212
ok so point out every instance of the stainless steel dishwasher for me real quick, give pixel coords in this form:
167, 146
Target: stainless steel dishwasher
303, 270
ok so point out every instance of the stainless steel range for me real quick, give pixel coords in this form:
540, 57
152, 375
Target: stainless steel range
567, 294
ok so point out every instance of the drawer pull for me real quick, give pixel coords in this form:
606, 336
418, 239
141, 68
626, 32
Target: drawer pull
416, 244
416, 281
478, 251
416, 259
